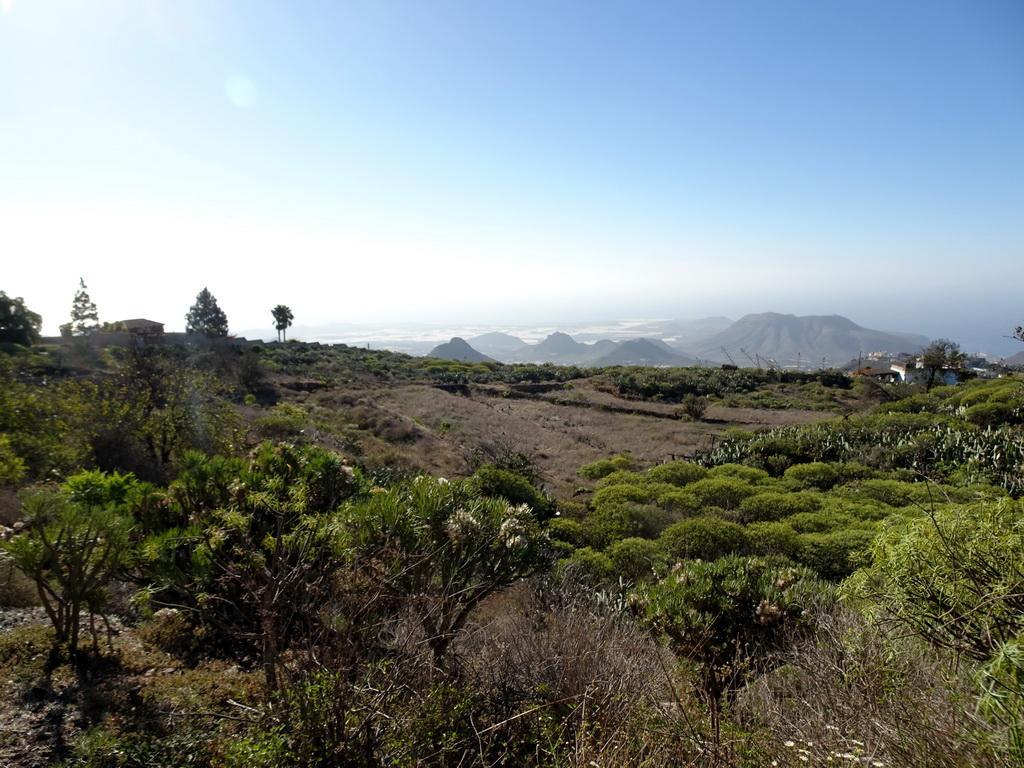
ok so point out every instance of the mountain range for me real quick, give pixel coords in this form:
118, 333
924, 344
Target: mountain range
813, 341
770, 338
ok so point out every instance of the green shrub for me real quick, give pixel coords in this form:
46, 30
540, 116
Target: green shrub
952, 575
862, 508
725, 492
679, 473
920, 403
12, 466
440, 549
680, 502
705, 538
980, 391
495, 483
624, 461
621, 477
820, 522
817, 476
284, 422
71, 550
991, 415
836, 554
637, 559
773, 539
613, 522
596, 470
747, 474
718, 613
775, 506
619, 494
848, 471
595, 567
729, 515
570, 531
891, 492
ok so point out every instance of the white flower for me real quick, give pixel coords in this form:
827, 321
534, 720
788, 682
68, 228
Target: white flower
461, 525
512, 532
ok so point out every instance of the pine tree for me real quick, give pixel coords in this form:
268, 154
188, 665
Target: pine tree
84, 317
205, 317
282, 319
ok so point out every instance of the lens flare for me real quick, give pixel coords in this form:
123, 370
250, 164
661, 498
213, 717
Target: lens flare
241, 90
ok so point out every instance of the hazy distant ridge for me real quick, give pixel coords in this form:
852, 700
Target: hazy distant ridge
645, 352
459, 349
496, 344
812, 340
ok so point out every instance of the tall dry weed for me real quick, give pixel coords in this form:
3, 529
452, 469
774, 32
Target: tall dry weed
855, 689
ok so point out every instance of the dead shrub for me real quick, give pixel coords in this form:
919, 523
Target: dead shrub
855, 689
16, 589
10, 507
566, 678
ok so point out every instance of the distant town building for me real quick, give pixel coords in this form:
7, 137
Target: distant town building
142, 327
913, 373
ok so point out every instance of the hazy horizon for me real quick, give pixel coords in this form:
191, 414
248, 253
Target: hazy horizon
466, 163
413, 335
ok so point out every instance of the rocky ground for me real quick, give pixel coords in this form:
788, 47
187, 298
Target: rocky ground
10, 618
32, 715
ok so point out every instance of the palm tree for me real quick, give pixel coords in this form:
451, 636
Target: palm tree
282, 319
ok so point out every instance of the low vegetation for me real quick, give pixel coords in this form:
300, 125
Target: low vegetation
299, 555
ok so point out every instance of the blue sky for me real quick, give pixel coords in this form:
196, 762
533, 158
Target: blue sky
511, 162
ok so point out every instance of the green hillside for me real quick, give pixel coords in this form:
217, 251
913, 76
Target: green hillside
297, 554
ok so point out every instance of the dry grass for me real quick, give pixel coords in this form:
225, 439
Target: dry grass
577, 680
561, 431
853, 691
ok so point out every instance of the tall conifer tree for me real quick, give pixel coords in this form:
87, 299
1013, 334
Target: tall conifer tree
84, 317
205, 317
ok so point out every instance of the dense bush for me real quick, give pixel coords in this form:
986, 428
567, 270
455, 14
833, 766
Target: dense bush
679, 473
774, 505
596, 470
704, 538
991, 415
773, 539
836, 554
621, 477
494, 482
751, 475
724, 492
618, 494
953, 575
729, 616
612, 522
816, 475
638, 559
